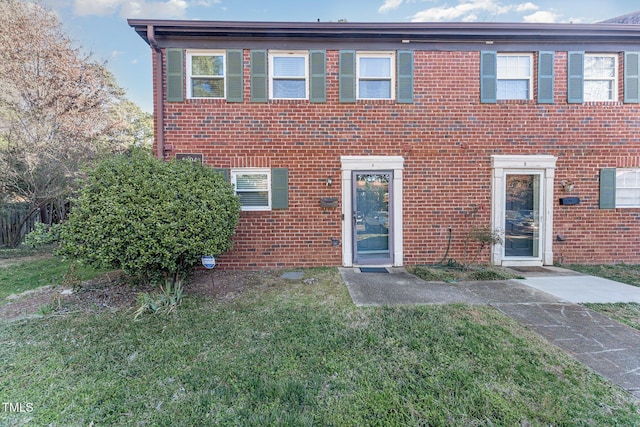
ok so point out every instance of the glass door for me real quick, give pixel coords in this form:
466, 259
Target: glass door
371, 217
522, 216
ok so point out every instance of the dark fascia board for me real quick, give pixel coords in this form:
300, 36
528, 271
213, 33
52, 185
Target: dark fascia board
409, 32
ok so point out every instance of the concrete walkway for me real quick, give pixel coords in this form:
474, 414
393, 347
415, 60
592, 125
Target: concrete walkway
578, 288
546, 301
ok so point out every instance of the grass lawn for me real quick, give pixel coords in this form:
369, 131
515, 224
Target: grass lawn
627, 313
292, 353
21, 276
22, 251
625, 273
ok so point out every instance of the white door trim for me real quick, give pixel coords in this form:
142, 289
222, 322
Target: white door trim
543, 164
371, 163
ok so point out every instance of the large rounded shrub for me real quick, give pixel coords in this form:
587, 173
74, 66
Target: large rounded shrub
149, 217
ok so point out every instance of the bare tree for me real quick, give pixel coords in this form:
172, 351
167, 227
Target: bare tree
59, 109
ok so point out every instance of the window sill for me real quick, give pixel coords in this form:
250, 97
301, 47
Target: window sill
289, 101
517, 101
205, 100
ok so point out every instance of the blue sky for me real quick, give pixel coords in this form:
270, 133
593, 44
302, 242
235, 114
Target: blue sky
100, 26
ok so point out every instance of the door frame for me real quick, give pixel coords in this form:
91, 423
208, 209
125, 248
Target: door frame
542, 165
395, 164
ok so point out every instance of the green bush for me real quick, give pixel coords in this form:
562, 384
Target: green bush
43, 235
434, 273
489, 273
150, 218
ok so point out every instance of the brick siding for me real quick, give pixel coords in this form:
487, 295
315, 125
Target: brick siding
447, 138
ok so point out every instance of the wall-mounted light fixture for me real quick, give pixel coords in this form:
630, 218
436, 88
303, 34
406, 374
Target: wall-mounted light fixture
567, 185
329, 182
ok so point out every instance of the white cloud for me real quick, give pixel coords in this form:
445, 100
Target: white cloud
525, 7
468, 10
470, 18
142, 9
205, 3
389, 5
581, 20
541, 16
132, 8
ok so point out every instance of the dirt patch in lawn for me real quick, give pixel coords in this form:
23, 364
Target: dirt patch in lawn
228, 285
112, 291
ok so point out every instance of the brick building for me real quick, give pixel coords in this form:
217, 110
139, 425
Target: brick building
385, 144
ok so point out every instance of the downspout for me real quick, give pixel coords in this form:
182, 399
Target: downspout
159, 95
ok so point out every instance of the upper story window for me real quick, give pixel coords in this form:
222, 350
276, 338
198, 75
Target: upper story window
206, 74
600, 77
253, 186
627, 188
514, 76
375, 75
289, 73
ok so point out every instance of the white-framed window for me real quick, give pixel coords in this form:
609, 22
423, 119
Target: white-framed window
514, 76
628, 188
288, 75
375, 75
600, 77
206, 74
253, 186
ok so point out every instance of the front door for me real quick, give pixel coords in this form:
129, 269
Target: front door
372, 222
522, 216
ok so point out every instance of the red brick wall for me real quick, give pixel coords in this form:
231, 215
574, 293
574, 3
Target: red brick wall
447, 138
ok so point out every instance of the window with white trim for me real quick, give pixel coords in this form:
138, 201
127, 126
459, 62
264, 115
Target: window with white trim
600, 77
514, 76
288, 75
253, 186
628, 188
375, 75
206, 74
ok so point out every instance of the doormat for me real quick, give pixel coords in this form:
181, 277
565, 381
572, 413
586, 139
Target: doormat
373, 270
530, 269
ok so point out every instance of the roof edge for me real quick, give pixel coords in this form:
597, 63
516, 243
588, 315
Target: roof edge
386, 30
